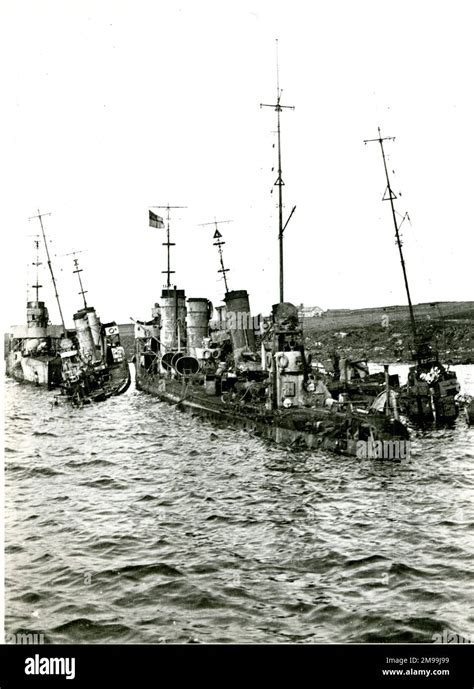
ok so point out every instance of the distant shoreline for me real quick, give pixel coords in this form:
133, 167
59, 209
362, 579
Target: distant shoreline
378, 334
453, 338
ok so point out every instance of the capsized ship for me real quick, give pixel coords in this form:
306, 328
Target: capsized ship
93, 362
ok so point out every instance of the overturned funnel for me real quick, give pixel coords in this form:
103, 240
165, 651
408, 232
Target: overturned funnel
239, 320
173, 319
199, 312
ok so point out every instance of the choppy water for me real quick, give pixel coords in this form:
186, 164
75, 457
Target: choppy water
130, 522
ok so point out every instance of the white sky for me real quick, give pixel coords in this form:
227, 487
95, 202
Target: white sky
108, 107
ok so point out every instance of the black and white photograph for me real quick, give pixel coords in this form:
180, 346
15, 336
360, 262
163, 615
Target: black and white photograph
238, 313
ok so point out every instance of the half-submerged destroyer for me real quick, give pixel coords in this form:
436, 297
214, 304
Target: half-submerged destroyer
260, 381
94, 365
33, 350
430, 392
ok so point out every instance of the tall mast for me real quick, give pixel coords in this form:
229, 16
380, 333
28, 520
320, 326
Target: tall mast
391, 197
40, 217
168, 243
279, 182
78, 271
37, 264
218, 236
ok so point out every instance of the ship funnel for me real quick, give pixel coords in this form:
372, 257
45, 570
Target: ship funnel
239, 320
87, 346
95, 325
173, 319
199, 313
37, 318
285, 315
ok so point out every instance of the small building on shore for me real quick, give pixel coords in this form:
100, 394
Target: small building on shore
309, 311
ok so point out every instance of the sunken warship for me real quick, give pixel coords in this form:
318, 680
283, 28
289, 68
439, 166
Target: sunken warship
262, 383
256, 376
87, 363
33, 350
93, 362
430, 392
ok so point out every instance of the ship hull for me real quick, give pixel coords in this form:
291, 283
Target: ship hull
40, 370
434, 402
119, 379
306, 428
115, 382
422, 409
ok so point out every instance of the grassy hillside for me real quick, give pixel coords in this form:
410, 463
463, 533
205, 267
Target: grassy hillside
392, 341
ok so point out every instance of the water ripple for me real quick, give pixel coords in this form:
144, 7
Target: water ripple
132, 522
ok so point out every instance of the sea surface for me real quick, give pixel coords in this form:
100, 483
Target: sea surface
132, 522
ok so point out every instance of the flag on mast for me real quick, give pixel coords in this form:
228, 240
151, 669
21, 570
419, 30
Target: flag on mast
155, 220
